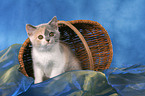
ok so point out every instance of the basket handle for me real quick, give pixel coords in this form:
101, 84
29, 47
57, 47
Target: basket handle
82, 39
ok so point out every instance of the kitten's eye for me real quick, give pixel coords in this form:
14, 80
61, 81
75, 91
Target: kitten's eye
51, 34
40, 37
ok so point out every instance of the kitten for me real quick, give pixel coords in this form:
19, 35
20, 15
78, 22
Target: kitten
50, 56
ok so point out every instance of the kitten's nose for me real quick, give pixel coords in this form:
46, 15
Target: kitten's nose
48, 40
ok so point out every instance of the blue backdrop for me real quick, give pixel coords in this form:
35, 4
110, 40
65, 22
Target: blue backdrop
123, 19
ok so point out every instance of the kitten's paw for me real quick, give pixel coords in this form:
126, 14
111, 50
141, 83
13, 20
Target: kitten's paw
37, 81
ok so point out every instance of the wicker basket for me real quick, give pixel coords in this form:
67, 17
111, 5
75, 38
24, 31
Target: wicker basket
88, 39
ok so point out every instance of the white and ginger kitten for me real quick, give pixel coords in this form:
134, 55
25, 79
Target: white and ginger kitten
50, 56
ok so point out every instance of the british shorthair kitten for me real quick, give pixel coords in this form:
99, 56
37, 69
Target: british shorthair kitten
50, 56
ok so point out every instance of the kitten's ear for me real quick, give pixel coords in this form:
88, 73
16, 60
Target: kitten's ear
30, 29
53, 22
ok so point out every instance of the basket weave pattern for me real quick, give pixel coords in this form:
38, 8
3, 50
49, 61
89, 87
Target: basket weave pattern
96, 37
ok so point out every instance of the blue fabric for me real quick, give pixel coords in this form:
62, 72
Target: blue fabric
12, 82
123, 19
74, 83
128, 81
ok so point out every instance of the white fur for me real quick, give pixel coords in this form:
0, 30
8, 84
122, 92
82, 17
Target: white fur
41, 62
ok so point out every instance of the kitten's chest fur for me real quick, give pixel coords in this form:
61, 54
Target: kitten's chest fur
53, 57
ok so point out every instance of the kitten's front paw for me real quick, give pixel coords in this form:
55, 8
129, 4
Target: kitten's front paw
37, 81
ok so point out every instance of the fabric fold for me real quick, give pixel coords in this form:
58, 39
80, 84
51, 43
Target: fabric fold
128, 81
72, 83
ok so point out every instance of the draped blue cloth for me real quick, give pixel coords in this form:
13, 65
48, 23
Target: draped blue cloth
128, 81
75, 83
12, 82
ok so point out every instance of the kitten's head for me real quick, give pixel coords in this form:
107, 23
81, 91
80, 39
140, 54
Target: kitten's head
44, 36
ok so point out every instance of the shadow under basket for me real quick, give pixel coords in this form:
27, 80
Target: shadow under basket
92, 42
